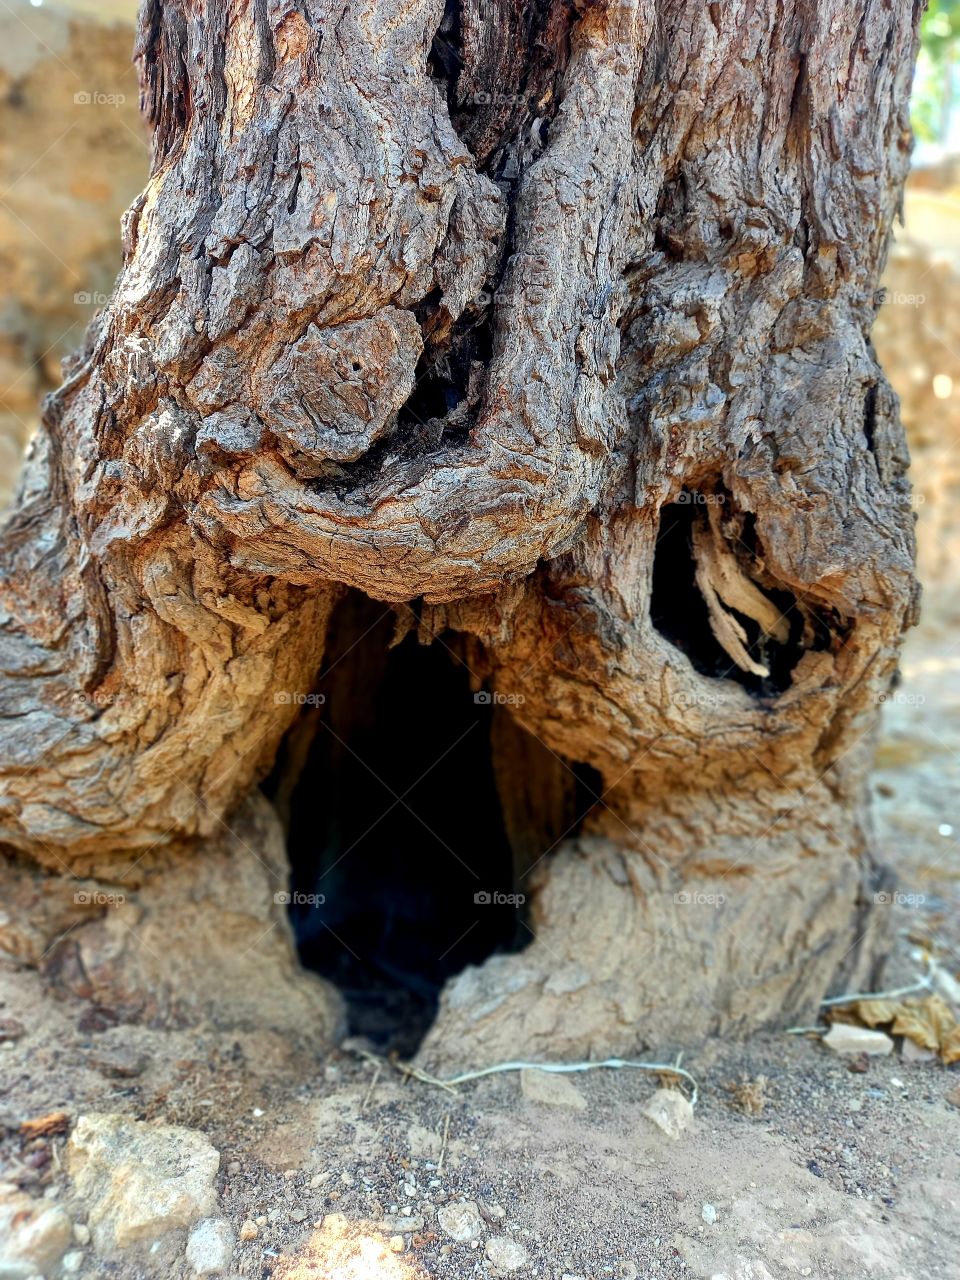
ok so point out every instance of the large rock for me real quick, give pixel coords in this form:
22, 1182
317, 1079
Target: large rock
34, 1234
140, 1181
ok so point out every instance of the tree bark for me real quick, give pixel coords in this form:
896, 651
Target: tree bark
550, 321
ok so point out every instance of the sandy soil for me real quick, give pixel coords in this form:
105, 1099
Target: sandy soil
841, 1174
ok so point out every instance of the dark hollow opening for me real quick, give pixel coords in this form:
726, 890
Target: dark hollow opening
679, 611
415, 810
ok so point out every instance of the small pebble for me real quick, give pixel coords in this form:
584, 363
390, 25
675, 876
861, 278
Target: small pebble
11, 1029
210, 1247
506, 1254
670, 1112
249, 1230
118, 1063
845, 1038
709, 1214
461, 1222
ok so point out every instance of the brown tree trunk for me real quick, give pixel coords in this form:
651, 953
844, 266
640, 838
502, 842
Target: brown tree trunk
546, 323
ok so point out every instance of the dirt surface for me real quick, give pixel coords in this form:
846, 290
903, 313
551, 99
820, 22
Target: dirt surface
346, 1169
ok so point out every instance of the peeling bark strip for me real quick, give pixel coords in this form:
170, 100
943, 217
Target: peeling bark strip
461, 304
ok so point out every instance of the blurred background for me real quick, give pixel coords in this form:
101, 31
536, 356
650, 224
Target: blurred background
73, 156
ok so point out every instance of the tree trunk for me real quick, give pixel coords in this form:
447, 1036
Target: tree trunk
547, 324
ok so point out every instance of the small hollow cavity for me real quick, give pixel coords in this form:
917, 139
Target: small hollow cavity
415, 810
680, 612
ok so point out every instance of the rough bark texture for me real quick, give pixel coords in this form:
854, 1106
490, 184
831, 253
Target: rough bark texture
468, 309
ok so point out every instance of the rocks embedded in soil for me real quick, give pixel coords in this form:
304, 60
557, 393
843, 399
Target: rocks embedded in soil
34, 1234
670, 1112
210, 1247
843, 1037
118, 1062
11, 1029
506, 1254
461, 1221
139, 1180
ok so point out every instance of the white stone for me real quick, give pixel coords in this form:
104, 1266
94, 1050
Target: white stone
845, 1038
506, 1254
912, 1052
670, 1111
709, 1214
210, 1247
139, 1180
551, 1090
34, 1234
72, 1261
461, 1222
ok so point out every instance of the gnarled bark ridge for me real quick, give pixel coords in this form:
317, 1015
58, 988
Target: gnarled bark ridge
552, 317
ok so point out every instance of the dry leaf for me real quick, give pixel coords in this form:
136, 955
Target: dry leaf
928, 1022
875, 1013
45, 1126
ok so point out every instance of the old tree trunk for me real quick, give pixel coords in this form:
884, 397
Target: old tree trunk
545, 324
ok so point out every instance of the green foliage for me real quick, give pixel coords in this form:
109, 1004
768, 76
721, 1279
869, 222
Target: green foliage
933, 84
